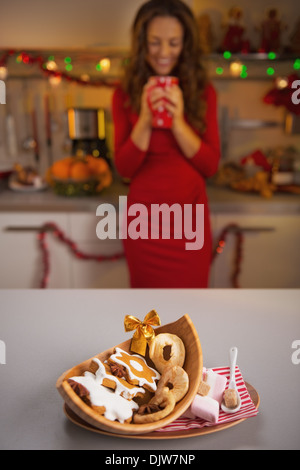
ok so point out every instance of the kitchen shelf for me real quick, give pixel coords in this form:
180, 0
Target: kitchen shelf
84, 62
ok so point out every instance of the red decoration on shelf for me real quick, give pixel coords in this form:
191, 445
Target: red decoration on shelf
53, 228
258, 158
283, 96
271, 29
234, 40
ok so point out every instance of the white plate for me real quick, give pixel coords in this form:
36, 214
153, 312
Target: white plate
16, 186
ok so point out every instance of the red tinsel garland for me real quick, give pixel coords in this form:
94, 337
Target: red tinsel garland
53, 228
238, 232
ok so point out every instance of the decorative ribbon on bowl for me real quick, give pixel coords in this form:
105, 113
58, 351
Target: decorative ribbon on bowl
144, 331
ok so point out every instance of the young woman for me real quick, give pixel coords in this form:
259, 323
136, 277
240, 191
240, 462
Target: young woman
166, 166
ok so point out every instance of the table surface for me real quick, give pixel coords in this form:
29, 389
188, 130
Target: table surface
47, 332
221, 200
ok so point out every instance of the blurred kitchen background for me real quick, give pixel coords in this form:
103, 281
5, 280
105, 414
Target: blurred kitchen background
60, 62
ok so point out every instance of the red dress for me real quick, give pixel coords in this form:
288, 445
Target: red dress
162, 174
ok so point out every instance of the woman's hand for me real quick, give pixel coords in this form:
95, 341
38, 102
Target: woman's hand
145, 113
174, 103
187, 139
142, 130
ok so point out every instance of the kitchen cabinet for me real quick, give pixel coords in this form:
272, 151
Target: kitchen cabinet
21, 260
270, 256
106, 274
21, 257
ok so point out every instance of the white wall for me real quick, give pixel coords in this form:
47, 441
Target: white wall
66, 23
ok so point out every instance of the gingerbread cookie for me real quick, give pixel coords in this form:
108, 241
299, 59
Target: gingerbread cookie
115, 379
137, 370
103, 400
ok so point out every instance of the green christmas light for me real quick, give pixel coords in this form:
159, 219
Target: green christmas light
69, 67
219, 70
270, 71
296, 65
227, 55
98, 67
244, 73
68, 60
272, 55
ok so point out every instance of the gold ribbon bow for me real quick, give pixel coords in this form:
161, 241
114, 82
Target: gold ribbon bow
144, 331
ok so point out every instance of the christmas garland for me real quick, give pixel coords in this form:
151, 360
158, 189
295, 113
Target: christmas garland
30, 59
59, 234
238, 232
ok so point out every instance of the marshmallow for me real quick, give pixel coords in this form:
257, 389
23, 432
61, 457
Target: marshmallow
217, 384
207, 407
203, 407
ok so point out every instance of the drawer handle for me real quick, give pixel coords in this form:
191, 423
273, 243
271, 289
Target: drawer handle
252, 229
45, 228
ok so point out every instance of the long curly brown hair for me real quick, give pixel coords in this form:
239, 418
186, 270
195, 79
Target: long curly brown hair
189, 69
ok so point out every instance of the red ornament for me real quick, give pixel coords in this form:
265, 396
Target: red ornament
283, 96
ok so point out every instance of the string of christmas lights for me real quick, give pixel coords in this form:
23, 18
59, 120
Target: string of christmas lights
236, 66
49, 68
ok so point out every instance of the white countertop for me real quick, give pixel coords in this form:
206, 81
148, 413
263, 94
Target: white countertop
48, 201
47, 332
221, 200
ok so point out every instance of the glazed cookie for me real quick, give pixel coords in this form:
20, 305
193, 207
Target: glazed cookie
137, 370
114, 378
101, 399
157, 349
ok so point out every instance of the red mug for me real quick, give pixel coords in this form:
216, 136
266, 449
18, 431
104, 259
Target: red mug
161, 117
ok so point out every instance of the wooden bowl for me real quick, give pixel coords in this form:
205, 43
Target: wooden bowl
193, 365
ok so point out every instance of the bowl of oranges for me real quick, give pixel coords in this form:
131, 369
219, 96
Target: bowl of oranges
79, 176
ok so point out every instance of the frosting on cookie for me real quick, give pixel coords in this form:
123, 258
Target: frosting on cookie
137, 368
116, 407
122, 387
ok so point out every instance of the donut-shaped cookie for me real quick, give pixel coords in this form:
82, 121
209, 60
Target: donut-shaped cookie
157, 348
164, 402
176, 379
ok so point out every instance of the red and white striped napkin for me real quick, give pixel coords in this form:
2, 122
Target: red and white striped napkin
247, 410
